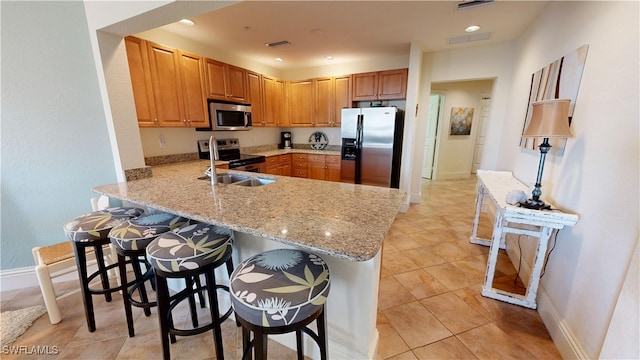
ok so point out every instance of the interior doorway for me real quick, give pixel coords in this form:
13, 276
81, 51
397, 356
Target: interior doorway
436, 103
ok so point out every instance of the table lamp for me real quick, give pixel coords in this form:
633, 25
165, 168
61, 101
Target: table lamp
549, 118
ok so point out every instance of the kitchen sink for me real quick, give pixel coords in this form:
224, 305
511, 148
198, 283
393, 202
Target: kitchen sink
240, 180
228, 178
255, 182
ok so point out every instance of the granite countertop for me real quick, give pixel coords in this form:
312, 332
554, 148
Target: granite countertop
343, 220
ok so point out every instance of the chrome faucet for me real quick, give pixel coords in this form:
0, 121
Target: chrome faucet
213, 155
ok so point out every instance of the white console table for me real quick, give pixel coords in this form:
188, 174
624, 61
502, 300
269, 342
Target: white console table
495, 185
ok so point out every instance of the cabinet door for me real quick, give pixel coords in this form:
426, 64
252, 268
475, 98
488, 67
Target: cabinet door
236, 84
392, 84
273, 101
165, 77
332, 168
192, 76
300, 103
365, 86
141, 81
323, 115
215, 79
317, 167
254, 84
342, 98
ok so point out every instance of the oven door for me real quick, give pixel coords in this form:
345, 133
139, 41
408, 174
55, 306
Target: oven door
257, 168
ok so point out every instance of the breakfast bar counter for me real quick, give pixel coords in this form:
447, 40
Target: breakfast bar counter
344, 223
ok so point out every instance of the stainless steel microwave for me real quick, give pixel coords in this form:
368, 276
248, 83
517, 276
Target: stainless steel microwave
228, 116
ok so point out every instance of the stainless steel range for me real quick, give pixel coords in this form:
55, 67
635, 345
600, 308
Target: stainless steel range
229, 150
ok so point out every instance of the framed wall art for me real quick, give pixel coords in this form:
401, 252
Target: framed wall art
558, 80
461, 120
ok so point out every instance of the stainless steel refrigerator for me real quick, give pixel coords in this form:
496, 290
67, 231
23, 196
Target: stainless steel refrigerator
371, 146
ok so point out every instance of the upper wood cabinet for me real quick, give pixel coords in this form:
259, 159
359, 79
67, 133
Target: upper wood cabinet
141, 81
300, 95
226, 82
167, 85
380, 85
331, 95
274, 104
256, 95
165, 79
193, 90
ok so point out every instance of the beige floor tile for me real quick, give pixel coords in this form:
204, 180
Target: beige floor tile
421, 284
490, 342
398, 263
451, 276
454, 313
390, 343
449, 348
416, 325
392, 293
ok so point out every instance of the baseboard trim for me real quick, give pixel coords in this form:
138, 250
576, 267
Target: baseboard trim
22, 278
562, 336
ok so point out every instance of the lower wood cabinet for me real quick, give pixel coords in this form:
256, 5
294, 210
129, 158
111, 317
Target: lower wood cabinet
279, 165
313, 166
324, 167
300, 165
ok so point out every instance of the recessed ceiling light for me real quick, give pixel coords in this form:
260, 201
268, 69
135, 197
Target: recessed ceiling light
472, 28
279, 59
187, 22
329, 57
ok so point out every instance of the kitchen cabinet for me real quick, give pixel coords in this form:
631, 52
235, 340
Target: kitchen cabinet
138, 59
285, 164
226, 82
256, 98
324, 167
279, 165
380, 85
167, 84
300, 106
274, 104
194, 103
331, 94
300, 165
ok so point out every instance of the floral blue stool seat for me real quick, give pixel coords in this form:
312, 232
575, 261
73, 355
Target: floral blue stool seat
187, 253
91, 231
130, 239
277, 292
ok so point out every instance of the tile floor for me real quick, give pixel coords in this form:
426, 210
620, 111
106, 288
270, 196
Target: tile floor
429, 307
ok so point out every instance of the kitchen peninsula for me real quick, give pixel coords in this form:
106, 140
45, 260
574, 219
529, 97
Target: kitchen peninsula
344, 223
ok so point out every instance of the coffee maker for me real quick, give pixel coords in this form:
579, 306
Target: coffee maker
285, 140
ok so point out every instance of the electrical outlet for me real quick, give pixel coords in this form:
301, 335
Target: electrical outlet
163, 142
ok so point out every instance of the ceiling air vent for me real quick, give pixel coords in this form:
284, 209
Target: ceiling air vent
469, 38
466, 5
278, 43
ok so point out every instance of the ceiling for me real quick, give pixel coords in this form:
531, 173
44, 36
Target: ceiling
350, 31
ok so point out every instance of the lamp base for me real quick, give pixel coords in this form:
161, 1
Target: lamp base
535, 205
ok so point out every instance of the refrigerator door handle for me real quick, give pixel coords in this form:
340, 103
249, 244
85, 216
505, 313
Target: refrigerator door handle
359, 135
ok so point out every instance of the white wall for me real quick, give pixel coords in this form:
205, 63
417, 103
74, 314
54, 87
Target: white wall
473, 63
598, 176
54, 141
455, 152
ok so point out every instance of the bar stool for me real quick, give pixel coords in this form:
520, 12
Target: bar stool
130, 240
187, 253
91, 231
278, 292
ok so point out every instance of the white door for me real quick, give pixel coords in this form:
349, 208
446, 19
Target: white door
485, 106
432, 134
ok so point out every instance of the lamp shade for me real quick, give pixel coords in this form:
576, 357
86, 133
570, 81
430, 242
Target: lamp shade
549, 118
